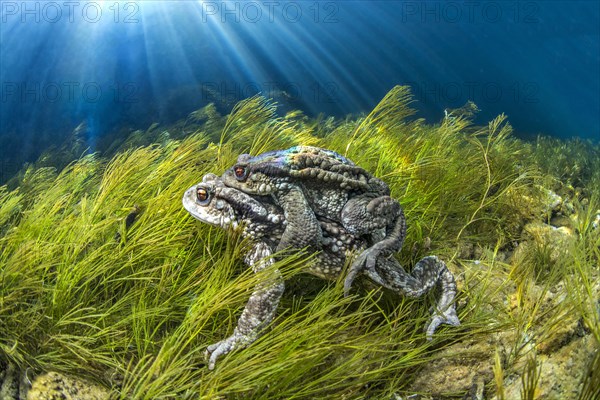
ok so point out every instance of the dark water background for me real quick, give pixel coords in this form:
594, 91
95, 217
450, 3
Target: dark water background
121, 65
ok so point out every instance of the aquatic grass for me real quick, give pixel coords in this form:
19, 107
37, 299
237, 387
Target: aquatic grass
253, 127
572, 162
103, 274
530, 379
499, 376
591, 389
9, 205
584, 268
484, 289
65, 253
320, 345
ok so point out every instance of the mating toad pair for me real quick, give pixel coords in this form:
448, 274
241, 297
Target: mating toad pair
312, 198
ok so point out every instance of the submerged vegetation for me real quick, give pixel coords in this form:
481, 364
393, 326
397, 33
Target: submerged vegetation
104, 276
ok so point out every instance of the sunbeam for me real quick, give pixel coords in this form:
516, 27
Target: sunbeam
119, 66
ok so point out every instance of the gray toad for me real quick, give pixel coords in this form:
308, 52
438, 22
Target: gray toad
263, 221
310, 182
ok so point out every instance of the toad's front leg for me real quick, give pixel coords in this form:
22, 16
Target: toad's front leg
260, 308
303, 229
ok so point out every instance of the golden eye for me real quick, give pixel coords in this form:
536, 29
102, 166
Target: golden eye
240, 172
202, 195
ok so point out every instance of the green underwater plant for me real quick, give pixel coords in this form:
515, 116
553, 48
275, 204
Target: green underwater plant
104, 275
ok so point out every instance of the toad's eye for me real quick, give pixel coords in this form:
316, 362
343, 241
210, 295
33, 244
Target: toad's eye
241, 173
202, 196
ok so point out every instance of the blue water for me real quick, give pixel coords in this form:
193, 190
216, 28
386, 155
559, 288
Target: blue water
120, 65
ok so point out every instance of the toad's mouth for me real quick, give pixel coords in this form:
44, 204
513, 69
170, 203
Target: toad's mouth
205, 213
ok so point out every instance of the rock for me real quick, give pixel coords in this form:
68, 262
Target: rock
55, 386
457, 368
561, 221
551, 200
560, 373
9, 382
555, 241
466, 250
596, 222
15, 385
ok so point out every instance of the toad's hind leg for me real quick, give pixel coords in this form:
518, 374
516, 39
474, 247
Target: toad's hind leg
427, 273
365, 215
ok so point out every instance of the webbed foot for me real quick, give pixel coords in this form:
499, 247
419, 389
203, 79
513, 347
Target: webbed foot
235, 341
366, 262
447, 317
